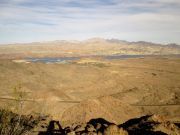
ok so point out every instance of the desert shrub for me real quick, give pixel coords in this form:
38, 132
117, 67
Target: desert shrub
16, 123
11, 125
19, 96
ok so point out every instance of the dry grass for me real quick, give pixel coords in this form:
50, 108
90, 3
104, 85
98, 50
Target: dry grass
14, 124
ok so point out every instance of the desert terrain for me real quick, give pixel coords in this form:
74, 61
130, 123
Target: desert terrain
92, 86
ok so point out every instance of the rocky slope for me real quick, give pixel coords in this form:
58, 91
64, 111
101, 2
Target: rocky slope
106, 107
11, 123
144, 125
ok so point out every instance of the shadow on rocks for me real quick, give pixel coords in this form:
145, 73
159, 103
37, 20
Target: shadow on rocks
141, 126
54, 128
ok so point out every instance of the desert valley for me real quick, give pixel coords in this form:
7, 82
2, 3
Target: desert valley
85, 83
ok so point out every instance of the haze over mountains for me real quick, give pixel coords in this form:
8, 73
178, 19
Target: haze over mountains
95, 46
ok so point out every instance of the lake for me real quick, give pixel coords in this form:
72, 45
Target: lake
111, 57
52, 60
49, 60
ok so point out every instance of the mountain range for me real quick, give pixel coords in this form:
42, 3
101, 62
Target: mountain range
91, 47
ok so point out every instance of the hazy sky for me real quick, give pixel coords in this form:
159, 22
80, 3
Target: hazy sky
132, 20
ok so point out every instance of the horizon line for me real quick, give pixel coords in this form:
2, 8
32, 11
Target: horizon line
85, 40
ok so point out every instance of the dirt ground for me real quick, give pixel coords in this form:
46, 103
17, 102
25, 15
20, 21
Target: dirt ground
117, 89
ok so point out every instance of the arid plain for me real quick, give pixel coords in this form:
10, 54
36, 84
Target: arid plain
93, 86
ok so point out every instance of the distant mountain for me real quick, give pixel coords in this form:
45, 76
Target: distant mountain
173, 45
94, 46
116, 41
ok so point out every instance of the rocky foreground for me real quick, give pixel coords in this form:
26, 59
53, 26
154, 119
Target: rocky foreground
11, 123
145, 125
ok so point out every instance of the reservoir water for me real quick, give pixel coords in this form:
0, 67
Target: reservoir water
52, 60
70, 59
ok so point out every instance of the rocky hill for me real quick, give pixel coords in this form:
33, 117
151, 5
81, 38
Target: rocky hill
95, 46
106, 107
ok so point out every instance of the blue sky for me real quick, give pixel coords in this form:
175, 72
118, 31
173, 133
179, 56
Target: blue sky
132, 20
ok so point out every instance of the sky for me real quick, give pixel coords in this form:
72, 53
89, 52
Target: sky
132, 20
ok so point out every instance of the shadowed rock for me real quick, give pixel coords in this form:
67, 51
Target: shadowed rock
145, 125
